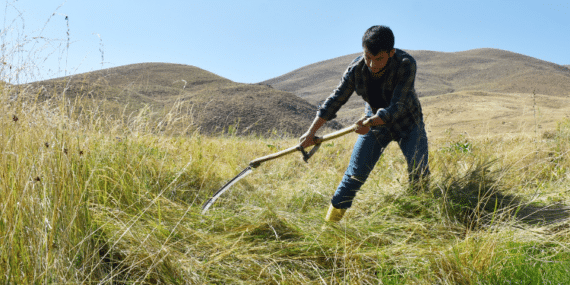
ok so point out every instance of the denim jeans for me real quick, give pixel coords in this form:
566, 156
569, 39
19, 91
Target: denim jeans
367, 152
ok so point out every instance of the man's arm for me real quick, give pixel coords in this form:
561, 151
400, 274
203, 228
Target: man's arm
402, 96
308, 139
341, 94
331, 105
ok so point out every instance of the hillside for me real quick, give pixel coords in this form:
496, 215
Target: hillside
490, 72
507, 83
216, 104
441, 73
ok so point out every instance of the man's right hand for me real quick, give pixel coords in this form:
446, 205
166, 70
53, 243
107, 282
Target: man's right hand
307, 140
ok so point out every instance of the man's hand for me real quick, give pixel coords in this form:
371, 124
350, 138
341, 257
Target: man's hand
307, 140
365, 123
373, 121
362, 129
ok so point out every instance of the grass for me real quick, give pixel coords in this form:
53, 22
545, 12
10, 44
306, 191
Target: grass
90, 199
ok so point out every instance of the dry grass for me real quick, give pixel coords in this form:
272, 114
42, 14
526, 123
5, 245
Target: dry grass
488, 114
93, 199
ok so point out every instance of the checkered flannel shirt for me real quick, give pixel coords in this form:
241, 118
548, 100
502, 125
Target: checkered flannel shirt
397, 103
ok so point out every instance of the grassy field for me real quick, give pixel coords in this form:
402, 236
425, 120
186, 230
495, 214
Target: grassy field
89, 199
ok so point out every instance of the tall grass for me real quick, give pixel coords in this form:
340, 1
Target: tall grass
92, 199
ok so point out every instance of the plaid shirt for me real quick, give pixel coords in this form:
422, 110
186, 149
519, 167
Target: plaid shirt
395, 100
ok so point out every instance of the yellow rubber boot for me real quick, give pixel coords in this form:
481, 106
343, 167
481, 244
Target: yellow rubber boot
334, 214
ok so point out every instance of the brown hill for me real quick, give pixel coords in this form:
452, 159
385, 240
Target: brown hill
489, 70
439, 73
313, 82
216, 103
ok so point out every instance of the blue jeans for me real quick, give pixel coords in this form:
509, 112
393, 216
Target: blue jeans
367, 151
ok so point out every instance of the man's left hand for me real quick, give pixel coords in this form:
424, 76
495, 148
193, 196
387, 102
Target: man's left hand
373, 121
365, 123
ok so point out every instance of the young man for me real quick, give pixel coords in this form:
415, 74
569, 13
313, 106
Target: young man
384, 77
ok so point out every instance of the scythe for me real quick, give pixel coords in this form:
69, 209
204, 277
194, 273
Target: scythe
258, 161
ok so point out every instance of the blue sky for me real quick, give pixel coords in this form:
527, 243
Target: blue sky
251, 41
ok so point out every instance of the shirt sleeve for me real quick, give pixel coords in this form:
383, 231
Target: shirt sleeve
403, 96
340, 95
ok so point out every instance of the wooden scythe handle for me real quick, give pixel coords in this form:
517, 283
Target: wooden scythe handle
256, 162
337, 134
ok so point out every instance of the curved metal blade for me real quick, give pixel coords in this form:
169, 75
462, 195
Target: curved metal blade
218, 193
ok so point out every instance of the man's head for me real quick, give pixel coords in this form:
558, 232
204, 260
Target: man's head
378, 46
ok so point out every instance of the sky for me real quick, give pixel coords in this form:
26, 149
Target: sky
252, 41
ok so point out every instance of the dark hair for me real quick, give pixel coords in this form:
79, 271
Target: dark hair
378, 38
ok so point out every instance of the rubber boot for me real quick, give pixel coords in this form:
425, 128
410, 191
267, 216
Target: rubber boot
334, 214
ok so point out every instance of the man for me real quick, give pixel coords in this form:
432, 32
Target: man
384, 77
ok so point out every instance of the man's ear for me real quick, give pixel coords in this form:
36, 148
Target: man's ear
392, 52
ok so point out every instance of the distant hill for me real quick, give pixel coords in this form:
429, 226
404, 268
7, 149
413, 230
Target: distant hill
217, 102
513, 91
490, 70
439, 73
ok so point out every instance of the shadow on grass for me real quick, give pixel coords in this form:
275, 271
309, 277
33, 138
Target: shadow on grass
476, 200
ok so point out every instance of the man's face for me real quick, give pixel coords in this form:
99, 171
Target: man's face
376, 63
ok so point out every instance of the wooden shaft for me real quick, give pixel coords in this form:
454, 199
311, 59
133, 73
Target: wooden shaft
339, 133
257, 161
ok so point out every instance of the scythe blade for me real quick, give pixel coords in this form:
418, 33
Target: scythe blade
211, 201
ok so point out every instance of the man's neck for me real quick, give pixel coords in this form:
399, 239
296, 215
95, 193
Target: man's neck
379, 74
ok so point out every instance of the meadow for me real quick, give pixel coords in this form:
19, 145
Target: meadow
90, 198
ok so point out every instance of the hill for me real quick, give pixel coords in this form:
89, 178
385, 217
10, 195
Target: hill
216, 104
490, 72
441, 73
510, 82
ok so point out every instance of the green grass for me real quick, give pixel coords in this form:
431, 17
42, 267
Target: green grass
90, 199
